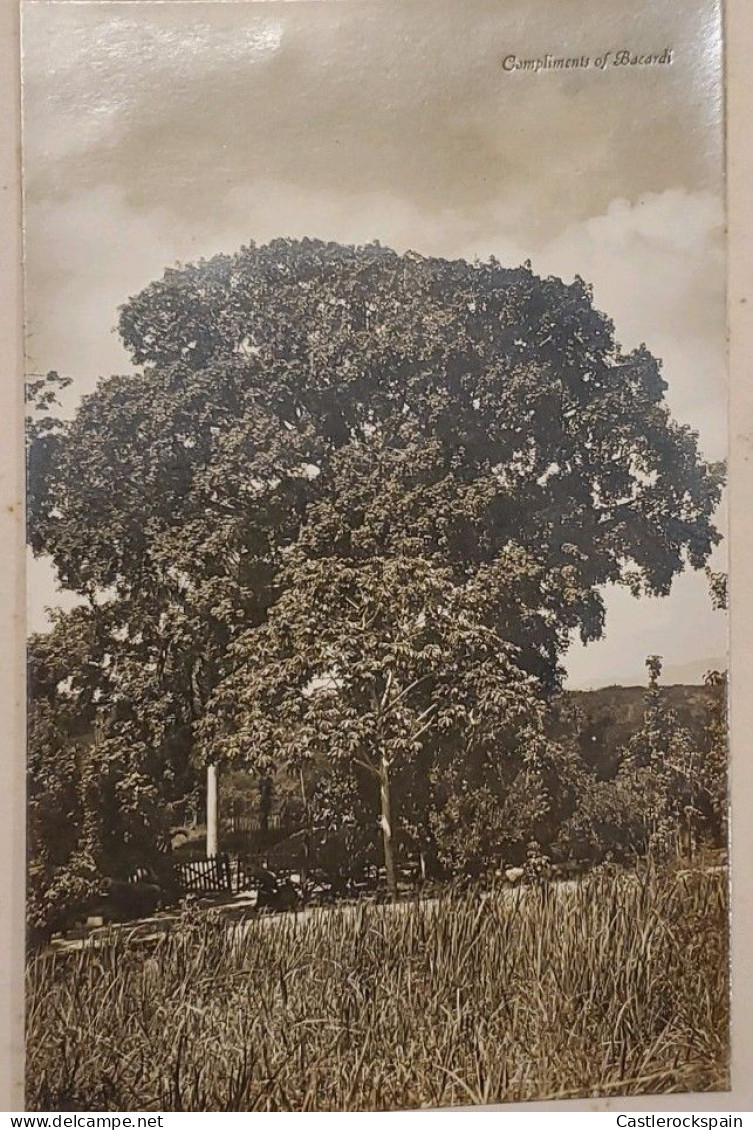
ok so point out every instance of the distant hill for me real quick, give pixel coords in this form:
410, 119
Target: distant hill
612, 714
688, 674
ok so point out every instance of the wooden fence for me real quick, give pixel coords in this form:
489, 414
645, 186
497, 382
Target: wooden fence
252, 825
206, 876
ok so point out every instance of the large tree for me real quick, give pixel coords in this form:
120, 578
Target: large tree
364, 406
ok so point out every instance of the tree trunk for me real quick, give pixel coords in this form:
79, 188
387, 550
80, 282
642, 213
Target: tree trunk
212, 822
307, 826
387, 831
265, 805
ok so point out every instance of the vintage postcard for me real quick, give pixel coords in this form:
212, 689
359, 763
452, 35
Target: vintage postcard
377, 583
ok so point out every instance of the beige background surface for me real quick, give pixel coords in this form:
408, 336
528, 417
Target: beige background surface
740, 150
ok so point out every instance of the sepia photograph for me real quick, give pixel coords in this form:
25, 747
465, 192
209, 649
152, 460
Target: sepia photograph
377, 577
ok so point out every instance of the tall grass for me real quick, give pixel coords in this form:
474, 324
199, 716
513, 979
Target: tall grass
614, 985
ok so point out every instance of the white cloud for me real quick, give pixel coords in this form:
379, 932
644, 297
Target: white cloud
658, 270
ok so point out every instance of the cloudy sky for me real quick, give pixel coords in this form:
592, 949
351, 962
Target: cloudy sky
157, 133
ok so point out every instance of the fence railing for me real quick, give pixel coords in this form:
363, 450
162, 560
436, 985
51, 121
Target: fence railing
206, 876
238, 868
252, 825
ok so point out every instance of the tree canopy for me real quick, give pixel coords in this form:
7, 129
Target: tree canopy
371, 404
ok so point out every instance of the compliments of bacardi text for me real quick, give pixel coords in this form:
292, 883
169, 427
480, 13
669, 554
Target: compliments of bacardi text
607, 60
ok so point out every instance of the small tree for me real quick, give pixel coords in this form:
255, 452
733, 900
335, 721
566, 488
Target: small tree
715, 785
372, 665
714, 768
663, 766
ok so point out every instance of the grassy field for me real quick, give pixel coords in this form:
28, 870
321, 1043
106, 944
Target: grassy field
614, 985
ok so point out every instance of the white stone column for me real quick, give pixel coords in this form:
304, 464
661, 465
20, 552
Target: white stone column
212, 822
